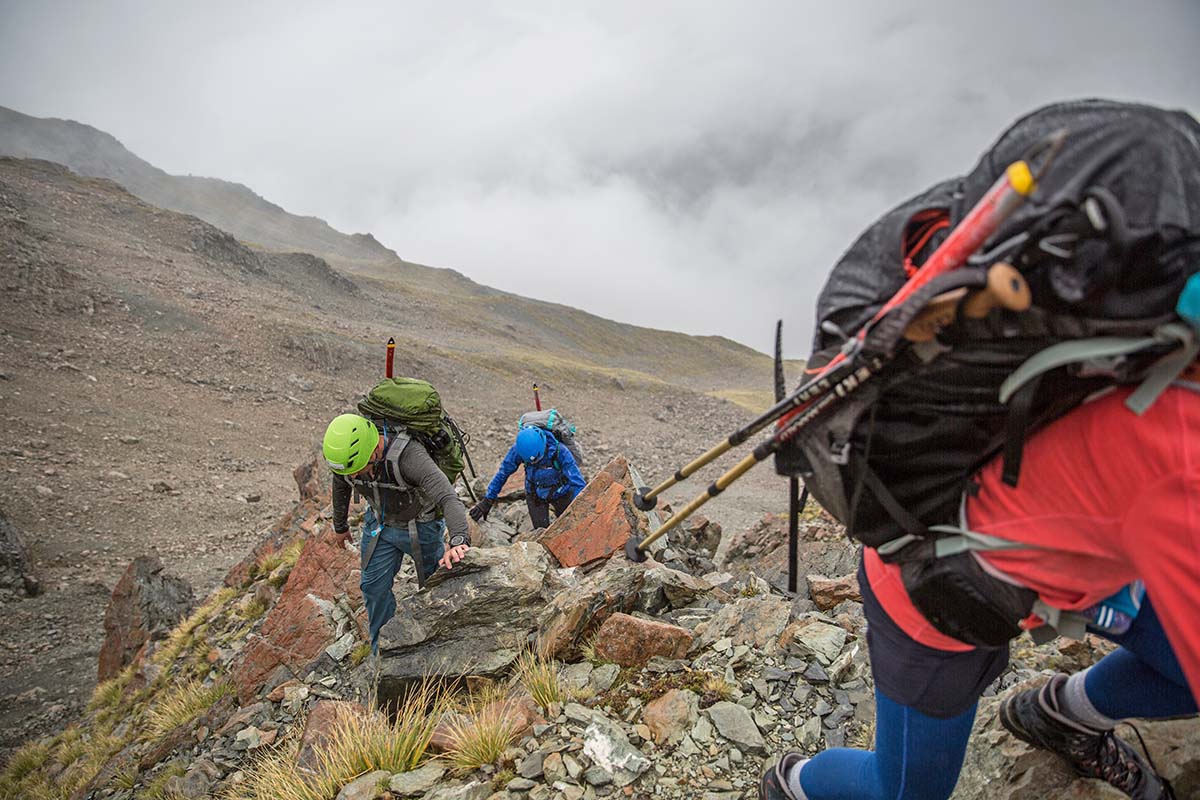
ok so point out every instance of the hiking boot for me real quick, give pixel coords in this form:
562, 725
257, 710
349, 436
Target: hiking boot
1034, 717
774, 785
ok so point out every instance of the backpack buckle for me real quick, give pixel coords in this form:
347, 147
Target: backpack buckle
839, 453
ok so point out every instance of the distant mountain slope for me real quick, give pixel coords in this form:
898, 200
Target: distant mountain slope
230, 206
451, 309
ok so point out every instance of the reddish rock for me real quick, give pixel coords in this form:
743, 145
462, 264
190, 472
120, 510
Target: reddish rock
295, 524
514, 487
524, 714
319, 726
312, 479
575, 613
146, 604
671, 716
297, 630
631, 641
597, 523
277, 694
828, 592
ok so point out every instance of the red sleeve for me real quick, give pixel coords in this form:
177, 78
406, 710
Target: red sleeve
1161, 531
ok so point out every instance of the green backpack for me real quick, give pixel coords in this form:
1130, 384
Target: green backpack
415, 407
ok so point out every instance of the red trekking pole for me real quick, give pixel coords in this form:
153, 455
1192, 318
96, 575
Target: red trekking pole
391, 354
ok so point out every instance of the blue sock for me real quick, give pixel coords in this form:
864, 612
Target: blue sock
917, 757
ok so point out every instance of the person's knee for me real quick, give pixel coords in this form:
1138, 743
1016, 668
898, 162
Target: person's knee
375, 583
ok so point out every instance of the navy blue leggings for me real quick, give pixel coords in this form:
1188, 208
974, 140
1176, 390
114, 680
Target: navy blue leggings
917, 756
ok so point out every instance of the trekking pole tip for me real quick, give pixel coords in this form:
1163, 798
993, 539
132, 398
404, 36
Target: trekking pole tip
631, 549
642, 502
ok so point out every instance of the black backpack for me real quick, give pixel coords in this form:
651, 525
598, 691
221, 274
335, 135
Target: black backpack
1106, 244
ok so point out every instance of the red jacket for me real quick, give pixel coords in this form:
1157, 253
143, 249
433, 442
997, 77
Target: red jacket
1110, 497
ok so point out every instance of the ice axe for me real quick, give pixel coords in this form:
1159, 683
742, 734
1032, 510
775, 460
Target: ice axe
391, 355
537, 400
875, 345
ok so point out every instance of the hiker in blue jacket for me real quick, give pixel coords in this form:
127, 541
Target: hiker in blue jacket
552, 478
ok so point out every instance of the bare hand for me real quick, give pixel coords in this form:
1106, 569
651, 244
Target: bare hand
341, 539
454, 555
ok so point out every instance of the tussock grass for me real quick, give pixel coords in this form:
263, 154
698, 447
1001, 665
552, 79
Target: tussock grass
588, 651
181, 638
27, 760
502, 778
717, 687
541, 678
78, 753
484, 731
70, 746
583, 693
92, 757
107, 695
253, 610
126, 778
356, 746
287, 555
157, 788
177, 705
360, 652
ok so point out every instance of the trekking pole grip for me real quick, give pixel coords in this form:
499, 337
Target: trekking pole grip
1005, 288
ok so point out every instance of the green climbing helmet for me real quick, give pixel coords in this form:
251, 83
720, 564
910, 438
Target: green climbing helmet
349, 443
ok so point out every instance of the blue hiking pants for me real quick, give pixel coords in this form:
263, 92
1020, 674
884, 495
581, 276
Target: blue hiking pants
918, 756
380, 572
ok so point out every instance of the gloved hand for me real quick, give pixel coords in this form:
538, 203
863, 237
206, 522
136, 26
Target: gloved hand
481, 509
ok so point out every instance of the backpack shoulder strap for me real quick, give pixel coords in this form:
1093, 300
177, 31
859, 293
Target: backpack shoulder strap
395, 449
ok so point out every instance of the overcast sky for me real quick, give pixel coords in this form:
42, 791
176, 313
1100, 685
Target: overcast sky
685, 165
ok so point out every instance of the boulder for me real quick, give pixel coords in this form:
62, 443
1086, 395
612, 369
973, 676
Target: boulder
576, 612
671, 716
472, 620
16, 566
632, 641
610, 751
513, 488
301, 522
315, 609
827, 593
666, 589
312, 479
599, 520
366, 787
755, 621
702, 534
318, 729
418, 781
146, 604
815, 637
823, 549
736, 724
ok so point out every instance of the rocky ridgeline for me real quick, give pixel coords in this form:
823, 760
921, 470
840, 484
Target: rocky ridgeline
683, 676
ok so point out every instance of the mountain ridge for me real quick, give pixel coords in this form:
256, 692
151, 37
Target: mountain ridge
716, 362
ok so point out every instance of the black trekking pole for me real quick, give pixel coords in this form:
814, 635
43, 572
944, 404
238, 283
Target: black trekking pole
934, 291
846, 378
1005, 196
795, 503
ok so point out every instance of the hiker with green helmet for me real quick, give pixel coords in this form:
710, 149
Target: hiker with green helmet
404, 489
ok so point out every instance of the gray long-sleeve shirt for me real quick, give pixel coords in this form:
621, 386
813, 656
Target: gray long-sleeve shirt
429, 488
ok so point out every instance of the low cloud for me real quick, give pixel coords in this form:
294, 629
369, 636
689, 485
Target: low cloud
698, 169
